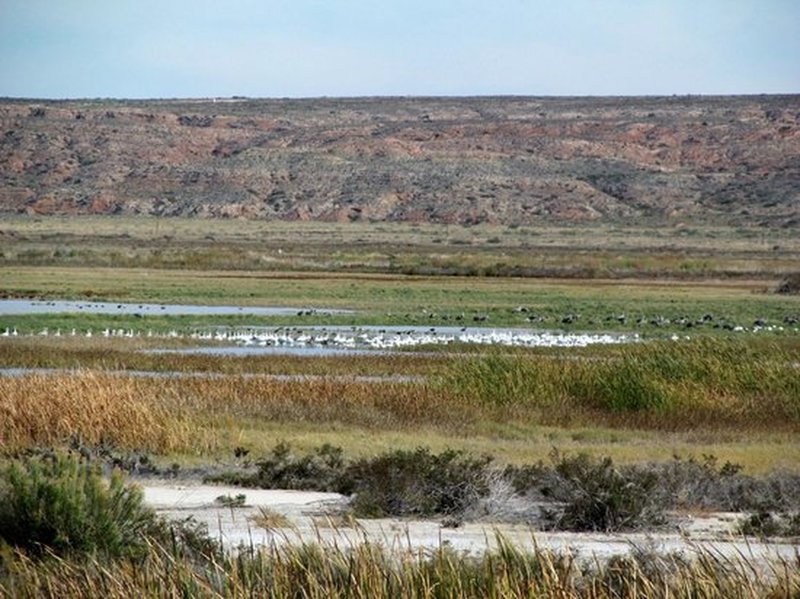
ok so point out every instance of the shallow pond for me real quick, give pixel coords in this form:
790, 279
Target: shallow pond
19, 307
301, 340
257, 350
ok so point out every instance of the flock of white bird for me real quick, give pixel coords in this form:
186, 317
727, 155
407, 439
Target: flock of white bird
392, 339
360, 338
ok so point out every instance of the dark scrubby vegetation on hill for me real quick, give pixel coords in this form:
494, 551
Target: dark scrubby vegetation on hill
501, 160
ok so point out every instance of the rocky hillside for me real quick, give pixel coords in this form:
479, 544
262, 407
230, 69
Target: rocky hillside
514, 161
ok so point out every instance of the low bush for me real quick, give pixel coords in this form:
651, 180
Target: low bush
587, 494
396, 483
596, 495
601, 497
769, 524
63, 505
790, 285
579, 492
705, 484
319, 470
417, 483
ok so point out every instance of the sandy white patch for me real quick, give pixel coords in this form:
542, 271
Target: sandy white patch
307, 513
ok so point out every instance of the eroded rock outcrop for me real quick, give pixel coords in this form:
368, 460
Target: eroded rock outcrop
466, 160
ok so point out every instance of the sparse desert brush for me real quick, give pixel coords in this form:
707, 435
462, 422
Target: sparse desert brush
95, 409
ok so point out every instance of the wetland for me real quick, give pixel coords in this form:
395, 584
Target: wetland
674, 395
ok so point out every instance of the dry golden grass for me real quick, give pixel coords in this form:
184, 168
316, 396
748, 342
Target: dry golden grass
204, 418
368, 570
89, 407
186, 414
270, 519
370, 405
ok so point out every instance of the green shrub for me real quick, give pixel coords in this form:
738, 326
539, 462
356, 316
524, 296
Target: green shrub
601, 497
592, 495
63, 505
790, 285
319, 470
416, 483
768, 524
230, 501
396, 483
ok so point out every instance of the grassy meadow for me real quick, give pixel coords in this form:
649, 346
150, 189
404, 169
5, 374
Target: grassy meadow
729, 392
624, 305
634, 279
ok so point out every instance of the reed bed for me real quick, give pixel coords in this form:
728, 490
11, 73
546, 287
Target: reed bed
704, 385
660, 385
126, 354
371, 571
87, 408
176, 414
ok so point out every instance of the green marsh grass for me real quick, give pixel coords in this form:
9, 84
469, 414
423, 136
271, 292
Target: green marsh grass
662, 385
382, 299
693, 394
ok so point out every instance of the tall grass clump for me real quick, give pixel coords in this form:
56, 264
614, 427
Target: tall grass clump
65, 506
698, 381
163, 415
665, 384
97, 409
368, 570
498, 380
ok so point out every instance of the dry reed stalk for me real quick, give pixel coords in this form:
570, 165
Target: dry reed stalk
367, 570
88, 407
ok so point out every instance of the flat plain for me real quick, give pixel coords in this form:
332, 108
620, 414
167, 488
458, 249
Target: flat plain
712, 289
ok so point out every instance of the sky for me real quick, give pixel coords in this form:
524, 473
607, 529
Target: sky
311, 48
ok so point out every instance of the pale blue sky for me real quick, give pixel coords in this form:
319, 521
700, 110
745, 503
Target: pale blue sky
278, 48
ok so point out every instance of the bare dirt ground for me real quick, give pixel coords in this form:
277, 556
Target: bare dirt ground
316, 517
